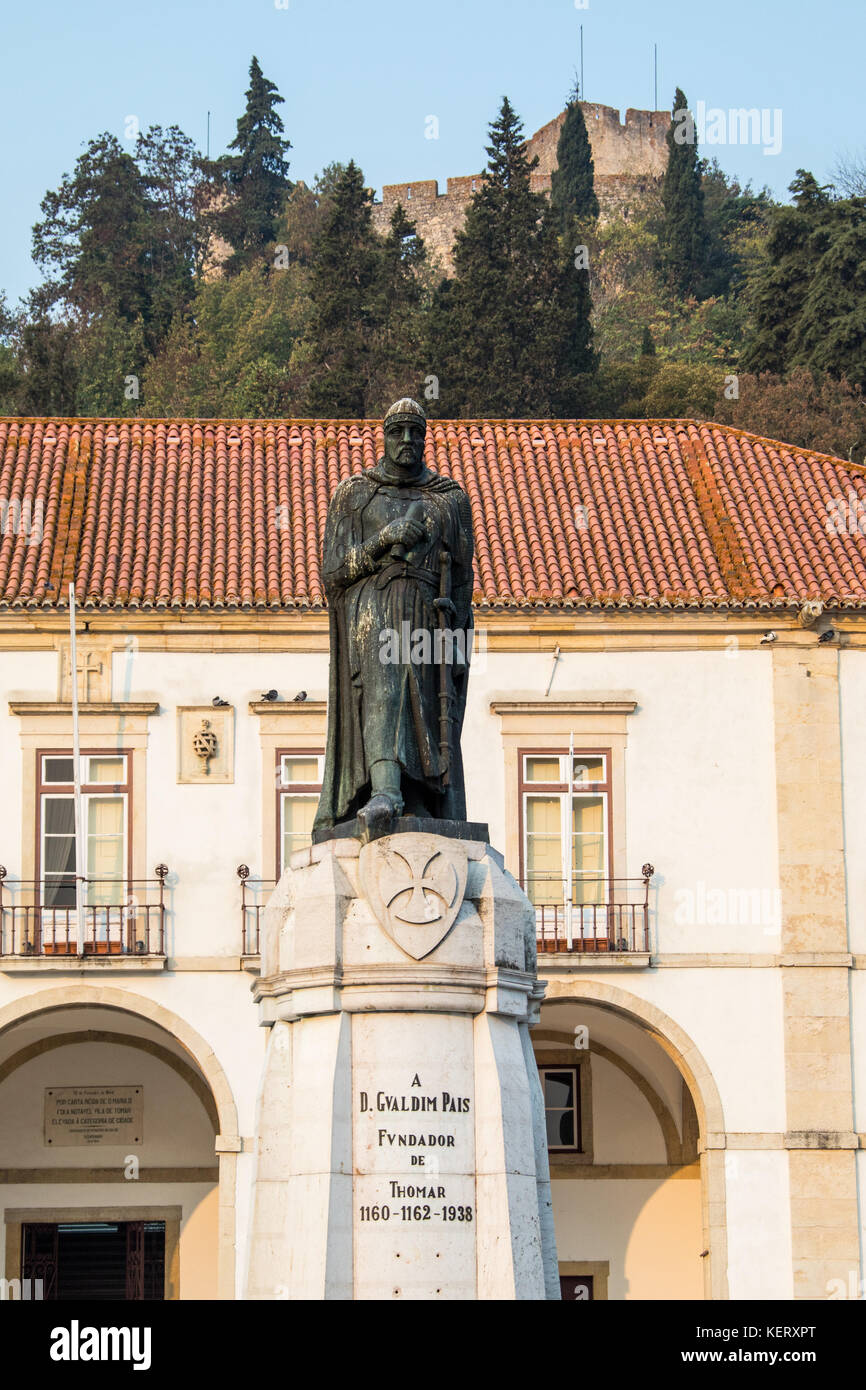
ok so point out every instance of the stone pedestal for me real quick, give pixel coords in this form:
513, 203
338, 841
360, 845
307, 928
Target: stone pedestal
401, 1147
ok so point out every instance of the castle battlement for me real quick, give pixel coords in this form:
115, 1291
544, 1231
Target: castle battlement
625, 154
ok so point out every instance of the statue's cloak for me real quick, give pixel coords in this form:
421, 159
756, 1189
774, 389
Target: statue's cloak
392, 710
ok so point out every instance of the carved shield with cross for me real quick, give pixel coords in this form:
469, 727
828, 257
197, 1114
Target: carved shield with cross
415, 885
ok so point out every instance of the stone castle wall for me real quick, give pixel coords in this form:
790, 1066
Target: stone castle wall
626, 156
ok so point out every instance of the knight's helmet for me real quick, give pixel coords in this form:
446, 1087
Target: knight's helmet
407, 410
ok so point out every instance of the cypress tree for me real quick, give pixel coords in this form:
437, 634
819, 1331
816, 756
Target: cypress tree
572, 211
502, 332
684, 235
254, 181
572, 189
343, 288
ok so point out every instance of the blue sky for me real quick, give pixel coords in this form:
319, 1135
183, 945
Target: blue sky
360, 79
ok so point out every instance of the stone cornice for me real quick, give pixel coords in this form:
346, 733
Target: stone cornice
588, 703
288, 707
106, 707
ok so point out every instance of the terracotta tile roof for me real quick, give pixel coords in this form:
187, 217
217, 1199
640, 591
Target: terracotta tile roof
225, 515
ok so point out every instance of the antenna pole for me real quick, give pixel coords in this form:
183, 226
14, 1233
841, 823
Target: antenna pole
655, 77
208, 135
583, 89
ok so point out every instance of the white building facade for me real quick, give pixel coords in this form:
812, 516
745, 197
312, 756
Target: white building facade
680, 790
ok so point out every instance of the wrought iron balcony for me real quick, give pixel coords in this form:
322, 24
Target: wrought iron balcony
604, 914
612, 914
122, 917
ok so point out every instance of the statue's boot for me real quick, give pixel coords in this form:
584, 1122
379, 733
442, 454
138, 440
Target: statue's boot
386, 802
379, 814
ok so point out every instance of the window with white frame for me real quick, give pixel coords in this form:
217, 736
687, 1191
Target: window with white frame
105, 791
565, 825
299, 784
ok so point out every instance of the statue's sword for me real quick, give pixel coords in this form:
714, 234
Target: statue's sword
399, 552
444, 692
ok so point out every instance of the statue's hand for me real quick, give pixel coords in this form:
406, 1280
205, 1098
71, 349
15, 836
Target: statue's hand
403, 532
446, 606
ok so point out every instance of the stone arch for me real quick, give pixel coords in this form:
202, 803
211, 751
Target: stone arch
664, 1118
675, 1041
101, 996
93, 1035
228, 1143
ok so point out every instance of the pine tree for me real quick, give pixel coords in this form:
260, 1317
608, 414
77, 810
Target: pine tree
343, 288
684, 235
509, 334
572, 189
251, 185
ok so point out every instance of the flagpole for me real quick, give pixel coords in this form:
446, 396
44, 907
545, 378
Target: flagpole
569, 845
76, 778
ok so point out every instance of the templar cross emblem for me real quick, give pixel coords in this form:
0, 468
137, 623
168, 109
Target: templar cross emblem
415, 885
431, 890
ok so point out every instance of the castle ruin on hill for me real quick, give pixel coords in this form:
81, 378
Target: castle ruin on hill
627, 158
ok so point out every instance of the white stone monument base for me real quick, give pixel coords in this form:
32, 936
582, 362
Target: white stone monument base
401, 1149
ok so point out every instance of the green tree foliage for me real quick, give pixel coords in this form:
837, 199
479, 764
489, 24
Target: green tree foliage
510, 334
45, 377
171, 171
632, 295
401, 297
10, 368
809, 298
249, 187
110, 356
830, 332
736, 219
684, 235
234, 353
343, 290
315, 313
572, 187
119, 236
368, 296
93, 239
182, 380
778, 288
682, 389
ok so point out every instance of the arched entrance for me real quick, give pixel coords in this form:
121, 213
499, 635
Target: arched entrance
634, 1119
117, 1149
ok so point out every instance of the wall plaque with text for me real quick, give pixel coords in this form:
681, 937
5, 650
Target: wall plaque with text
94, 1115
